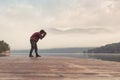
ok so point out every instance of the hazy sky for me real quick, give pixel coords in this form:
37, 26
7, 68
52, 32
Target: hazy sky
69, 23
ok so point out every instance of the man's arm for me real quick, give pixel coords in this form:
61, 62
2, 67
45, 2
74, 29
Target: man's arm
42, 35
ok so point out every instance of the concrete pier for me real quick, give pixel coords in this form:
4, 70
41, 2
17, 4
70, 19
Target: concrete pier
57, 68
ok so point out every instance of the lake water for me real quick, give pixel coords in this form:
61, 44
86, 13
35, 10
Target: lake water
101, 56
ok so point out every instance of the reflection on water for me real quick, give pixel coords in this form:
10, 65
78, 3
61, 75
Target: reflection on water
105, 56
101, 56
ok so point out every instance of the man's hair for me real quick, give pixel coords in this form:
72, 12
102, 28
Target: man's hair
42, 31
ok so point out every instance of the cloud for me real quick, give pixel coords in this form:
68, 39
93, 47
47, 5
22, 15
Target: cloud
52, 13
80, 30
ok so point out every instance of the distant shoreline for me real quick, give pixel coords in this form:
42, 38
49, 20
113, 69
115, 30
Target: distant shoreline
58, 50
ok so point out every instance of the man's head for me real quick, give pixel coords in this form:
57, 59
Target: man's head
42, 31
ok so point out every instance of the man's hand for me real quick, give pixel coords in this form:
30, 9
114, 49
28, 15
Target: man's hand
44, 34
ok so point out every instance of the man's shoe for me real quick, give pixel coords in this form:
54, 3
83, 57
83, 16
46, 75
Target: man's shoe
31, 56
38, 56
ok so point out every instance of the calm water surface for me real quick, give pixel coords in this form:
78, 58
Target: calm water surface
101, 56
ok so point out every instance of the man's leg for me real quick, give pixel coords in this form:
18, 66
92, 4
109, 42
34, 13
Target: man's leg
32, 47
36, 51
30, 55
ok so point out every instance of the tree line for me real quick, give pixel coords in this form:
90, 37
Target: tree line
4, 46
109, 48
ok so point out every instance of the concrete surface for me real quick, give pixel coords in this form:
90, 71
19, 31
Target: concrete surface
57, 68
